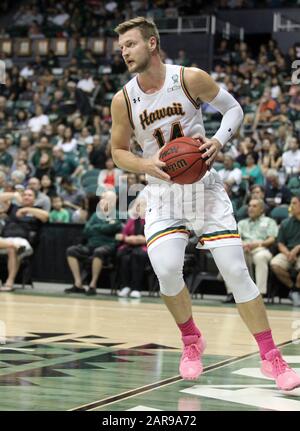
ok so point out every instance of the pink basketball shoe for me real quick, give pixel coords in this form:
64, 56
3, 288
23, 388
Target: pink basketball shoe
274, 366
191, 367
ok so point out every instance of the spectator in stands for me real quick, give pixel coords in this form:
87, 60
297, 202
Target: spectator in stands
42, 146
84, 137
21, 122
110, 175
291, 158
258, 234
68, 144
295, 98
258, 192
51, 60
132, 253
98, 156
42, 200
27, 71
47, 186
275, 194
17, 178
81, 214
40, 120
63, 165
23, 222
288, 259
267, 106
58, 214
60, 130
118, 66
269, 156
107, 84
83, 92
13, 250
294, 185
246, 147
230, 175
182, 58
70, 194
101, 244
252, 172
44, 166
6, 159
256, 89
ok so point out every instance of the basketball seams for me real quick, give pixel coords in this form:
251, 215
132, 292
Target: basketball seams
176, 155
186, 140
184, 149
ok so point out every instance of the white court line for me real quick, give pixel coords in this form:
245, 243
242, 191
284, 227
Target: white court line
207, 313
17, 348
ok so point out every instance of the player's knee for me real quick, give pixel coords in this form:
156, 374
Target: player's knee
234, 274
170, 279
242, 286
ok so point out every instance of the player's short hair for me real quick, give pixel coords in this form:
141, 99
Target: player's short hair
146, 26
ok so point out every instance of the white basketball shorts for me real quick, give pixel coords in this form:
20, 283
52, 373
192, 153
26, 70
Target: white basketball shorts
205, 208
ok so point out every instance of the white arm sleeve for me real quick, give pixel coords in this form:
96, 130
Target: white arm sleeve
232, 115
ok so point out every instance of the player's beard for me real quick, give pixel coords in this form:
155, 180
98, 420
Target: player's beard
143, 65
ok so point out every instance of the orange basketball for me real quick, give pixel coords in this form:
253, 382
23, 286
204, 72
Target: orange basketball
184, 162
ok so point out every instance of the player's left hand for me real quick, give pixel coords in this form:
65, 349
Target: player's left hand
210, 149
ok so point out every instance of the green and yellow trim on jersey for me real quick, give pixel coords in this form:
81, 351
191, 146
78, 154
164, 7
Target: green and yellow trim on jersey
186, 92
165, 232
127, 100
221, 234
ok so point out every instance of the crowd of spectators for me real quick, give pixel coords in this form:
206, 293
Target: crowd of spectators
55, 127
67, 17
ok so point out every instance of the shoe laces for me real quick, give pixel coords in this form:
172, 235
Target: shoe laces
280, 366
191, 352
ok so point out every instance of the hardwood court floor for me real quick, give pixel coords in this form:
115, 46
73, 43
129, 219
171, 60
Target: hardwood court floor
74, 353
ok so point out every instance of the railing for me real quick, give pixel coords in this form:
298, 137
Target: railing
199, 24
184, 24
228, 30
284, 23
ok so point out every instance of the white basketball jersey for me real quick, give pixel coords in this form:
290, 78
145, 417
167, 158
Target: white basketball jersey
160, 117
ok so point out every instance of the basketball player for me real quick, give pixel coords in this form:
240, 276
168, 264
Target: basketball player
160, 103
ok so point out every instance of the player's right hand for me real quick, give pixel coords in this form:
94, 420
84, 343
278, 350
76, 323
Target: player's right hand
154, 167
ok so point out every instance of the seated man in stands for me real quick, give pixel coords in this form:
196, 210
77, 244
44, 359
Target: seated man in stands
99, 231
258, 234
288, 258
42, 200
22, 227
258, 192
275, 193
230, 175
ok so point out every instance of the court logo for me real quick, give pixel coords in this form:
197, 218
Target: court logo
2, 72
2, 332
296, 74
